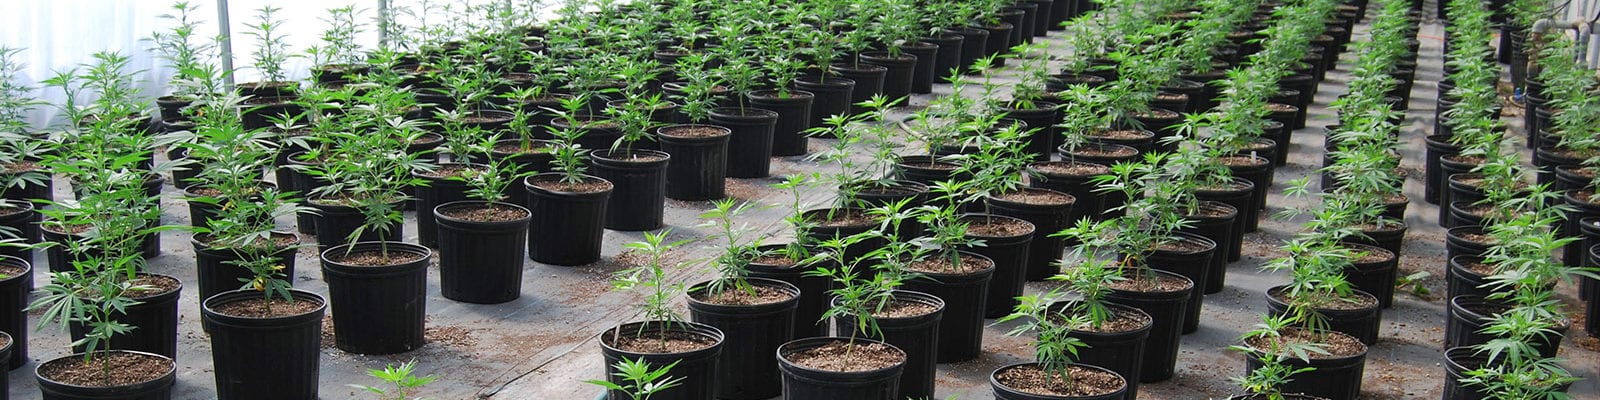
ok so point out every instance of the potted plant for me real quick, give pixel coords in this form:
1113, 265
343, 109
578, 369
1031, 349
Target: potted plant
946, 269
568, 206
442, 183
639, 379
266, 337
272, 96
187, 51
756, 315
1054, 373
856, 366
639, 175
782, 66
338, 58
100, 299
482, 241
1275, 362
701, 149
366, 176
750, 146
833, 94
403, 379
664, 337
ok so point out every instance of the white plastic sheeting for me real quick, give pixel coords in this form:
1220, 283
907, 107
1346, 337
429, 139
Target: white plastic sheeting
57, 35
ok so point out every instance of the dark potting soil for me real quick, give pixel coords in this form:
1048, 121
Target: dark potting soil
1337, 346
1480, 238
8, 210
1121, 321
933, 165
124, 369
1480, 268
516, 148
1570, 153
841, 356
279, 241
1147, 283
1158, 113
1125, 134
1085, 382
640, 158
429, 138
1072, 168
586, 186
1479, 210
887, 190
486, 213
776, 260
849, 217
693, 131
654, 342
1226, 186
733, 297
1100, 152
1372, 256
155, 285
262, 308
966, 264
1036, 197
451, 171
19, 166
1331, 303
1183, 246
996, 227
1209, 212
1234, 161
1280, 107
904, 309
8, 270
478, 119
376, 258
1170, 97
1464, 159
66, 229
1587, 196
205, 191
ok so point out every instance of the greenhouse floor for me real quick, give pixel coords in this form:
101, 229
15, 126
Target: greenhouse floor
543, 345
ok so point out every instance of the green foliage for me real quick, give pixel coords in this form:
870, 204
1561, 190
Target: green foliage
1275, 371
1055, 348
737, 249
272, 48
640, 381
652, 276
402, 381
569, 154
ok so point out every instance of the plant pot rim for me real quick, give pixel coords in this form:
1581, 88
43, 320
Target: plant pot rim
997, 216
437, 214
853, 341
208, 305
197, 240
782, 286
695, 328
772, 95
415, 249
547, 177
607, 154
994, 380
166, 379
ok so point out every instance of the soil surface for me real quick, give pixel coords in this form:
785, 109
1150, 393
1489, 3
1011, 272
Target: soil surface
586, 186
653, 342
1038, 197
842, 356
124, 369
734, 297
259, 308
1085, 382
693, 131
487, 213
1140, 282
376, 258
1121, 321
1336, 344
966, 264
156, 285
996, 227
1071, 168
904, 309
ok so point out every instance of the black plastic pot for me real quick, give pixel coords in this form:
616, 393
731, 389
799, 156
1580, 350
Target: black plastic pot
1361, 323
435, 192
1468, 315
869, 80
159, 388
1044, 116
1437, 146
831, 96
1592, 303
821, 229
917, 336
598, 132
897, 77
481, 262
217, 271
1331, 379
1143, 140
1003, 392
5, 354
813, 301
203, 208
1458, 243
1390, 237
14, 292
697, 369
1258, 171
378, 309
1195, 265
1581, 208
26, 223
1375, 277
1087, 202
881, 194
750, 144
154, 319
639, 195
1024, 25
800, 382
567, 226
264, 358
924, 73
1167, 311
946, 58
1217, 224
926, 170
700, 163
1457, 361
964, 295
749, 331
1010, 255
1454, 189
302, 182
1462, 281
1241, 195
998, 42
794, 117
1120, 352
335, 223
974, 45
1047, 219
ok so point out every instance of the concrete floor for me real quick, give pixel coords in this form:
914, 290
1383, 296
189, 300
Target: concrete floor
543, 345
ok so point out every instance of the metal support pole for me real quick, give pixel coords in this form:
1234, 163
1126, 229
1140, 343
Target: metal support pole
226, 36
383, 24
